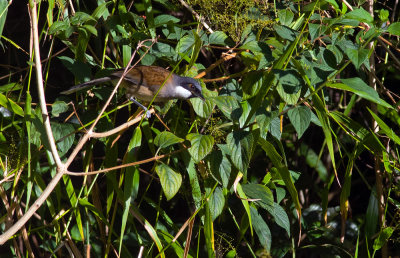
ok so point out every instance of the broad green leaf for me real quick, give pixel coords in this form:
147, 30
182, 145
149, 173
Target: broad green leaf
64, 136
165, 139
261, 228
10, 86
58, 107
285, 32
204, 108
59, 26
285, 16
281, 217
316, 30
170, 180
360, 15
218, 38
300, 118
252, 83
289, 85
264, 119
193, 180
220, 167
101, 11
185, 44
90, 29
258, 191
201, 145
229, 106
385, 128
164, 19
241, 145
217, 202
80, 18
383, 238
11, 105
357, 56
359, 87
394, 28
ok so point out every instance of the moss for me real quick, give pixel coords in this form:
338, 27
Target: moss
233, 16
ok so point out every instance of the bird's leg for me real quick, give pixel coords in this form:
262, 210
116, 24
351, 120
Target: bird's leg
148, 113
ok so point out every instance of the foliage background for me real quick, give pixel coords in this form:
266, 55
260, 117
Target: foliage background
292, 152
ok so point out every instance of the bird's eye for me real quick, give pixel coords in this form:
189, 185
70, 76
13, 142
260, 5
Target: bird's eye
191, 86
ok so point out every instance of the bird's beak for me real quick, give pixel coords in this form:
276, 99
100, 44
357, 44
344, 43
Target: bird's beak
200, 95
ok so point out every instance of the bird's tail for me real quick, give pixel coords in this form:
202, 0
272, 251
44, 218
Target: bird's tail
86, 85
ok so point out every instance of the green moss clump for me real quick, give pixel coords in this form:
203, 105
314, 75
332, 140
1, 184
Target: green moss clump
233, 16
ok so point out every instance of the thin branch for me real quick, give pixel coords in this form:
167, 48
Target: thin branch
136, 163
196, 15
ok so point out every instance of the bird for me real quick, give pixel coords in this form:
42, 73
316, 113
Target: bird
144, 82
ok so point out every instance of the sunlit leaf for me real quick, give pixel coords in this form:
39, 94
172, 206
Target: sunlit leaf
170, 180
201, 145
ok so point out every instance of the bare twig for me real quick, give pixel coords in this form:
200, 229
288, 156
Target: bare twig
196, 15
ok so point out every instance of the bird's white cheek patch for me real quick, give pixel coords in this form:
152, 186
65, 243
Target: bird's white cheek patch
182, 92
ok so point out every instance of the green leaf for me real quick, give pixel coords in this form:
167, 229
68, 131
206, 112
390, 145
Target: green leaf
359, 87
252, 83
300, 118
241, 145
204, 108
164, 19
394, 28
261, 228
217, 202
101, 11
285, 17
314, 161
264, 119
371, 215
285, 32
58, 107
185, 44
170, 180
58, 26
360, 15
261, 192
383, 238
282, 170
90, 29
357, 56
201, 145
229, 106
11, 105
281, 217
3, 14
385, 128
81, 17
64, 136
10, 86
289, 85
218, 38
220, 167
165, 139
